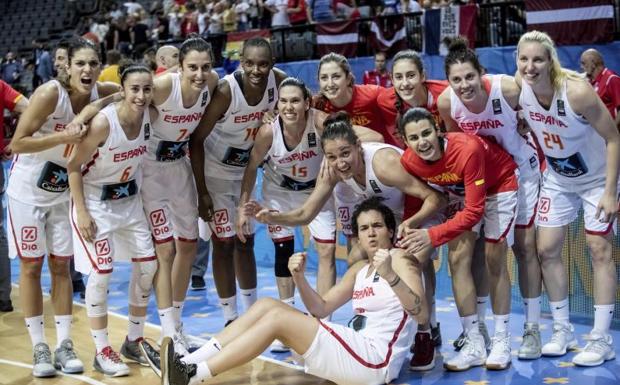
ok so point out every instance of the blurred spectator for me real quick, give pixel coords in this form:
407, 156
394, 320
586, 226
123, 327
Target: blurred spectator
166, 58
346, 9
242, 9
203, 19
114, 12
11, 69
133, 7
320, 11
27, 78
215, 21
366, 7
297, 12
189, 24
122, 37
253, 13
379, 76
110, 72
161, 29
389, 7
43, 69
279, 14
174, 21
605, 81
139, 35
61, 56
229, 17
407, 6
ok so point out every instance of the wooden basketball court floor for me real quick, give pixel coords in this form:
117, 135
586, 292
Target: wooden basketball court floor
202, 318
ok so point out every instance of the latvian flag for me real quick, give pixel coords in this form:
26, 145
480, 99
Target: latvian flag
448, 22
388, 34
339, 37
572, 21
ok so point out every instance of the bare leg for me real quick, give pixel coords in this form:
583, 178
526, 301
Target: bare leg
182, 268
460, 257
30, 287
530, 275
245, 264
224, 267
326, 275
604, 268
550, 241
498, 277
163, 284
62, 287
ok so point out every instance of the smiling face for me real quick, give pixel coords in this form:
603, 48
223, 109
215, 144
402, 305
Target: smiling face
84, 69
407, 80
465, 81
61, 58
333, 80
372, 232
256, 64
422, 138
292, 105
343, 156
196, 67
534, 63
137, 90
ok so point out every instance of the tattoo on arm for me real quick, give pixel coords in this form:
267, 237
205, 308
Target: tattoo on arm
417, 308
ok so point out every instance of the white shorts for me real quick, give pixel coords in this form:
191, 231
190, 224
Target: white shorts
122, 234
225, 196
329, 358
499, 215
529, 187
34, 231
322, 228
559, 205
204, 231
170, 200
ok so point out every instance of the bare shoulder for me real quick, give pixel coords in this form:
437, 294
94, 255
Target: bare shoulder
580, 94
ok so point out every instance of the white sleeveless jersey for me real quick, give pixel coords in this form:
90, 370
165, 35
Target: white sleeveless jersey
349, 192
574, 150
111, 173
379, 315
175, 123
41, 178
227, 148
295, 169
498, 120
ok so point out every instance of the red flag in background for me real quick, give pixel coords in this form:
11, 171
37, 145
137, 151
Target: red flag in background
340, 37
388, 34
572, 21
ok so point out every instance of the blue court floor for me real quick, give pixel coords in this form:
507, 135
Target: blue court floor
202, 318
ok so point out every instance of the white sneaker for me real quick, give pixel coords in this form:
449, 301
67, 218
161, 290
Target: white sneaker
109, 363
42, 361
598, 350
179, 344
499, 357
473, 353
562, 339
278, 346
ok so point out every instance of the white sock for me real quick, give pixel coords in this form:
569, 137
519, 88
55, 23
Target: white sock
433, 320
470, 323
289, 301
248, 297
101, 338
229, 307
559, 311
532, 309
481, 307
36, 329
202, 373
206, 351
166, 318
501, 323
63, 328
177, 307
603, 315
136, 327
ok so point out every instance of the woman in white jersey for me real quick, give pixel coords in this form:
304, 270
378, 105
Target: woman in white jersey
107, 215
219, 152
486, 106
168, 192
291, 143
581, 146
371, 350
38, 203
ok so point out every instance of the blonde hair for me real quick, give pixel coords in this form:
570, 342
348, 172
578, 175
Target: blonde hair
557, 74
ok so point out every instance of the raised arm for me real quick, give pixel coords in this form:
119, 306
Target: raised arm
262, 143
82, 153
214, 111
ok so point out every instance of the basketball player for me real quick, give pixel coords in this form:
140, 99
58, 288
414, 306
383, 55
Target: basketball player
219, 152
486, 106
107, 216
484, 174
168, 192
38, 204
371, 350
581, 146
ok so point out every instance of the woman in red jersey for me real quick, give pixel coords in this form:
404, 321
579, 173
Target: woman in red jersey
484, 174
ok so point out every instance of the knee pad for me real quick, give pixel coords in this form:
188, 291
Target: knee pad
96, 295
141, 282
284, 250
